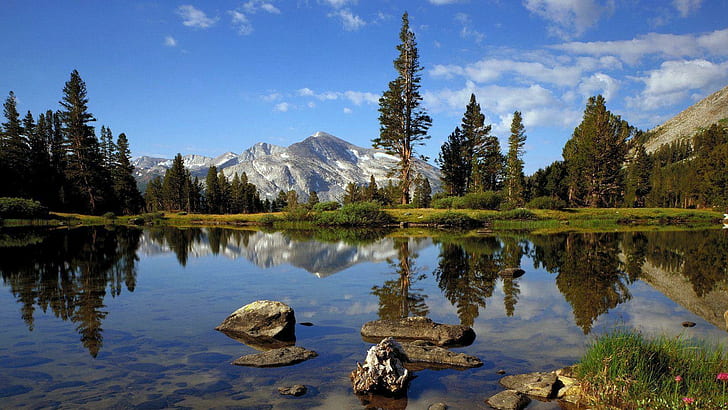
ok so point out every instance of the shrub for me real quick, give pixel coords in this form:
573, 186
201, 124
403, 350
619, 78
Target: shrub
518, 213
20, 208
546, 202
109, 215
299, 213
136, 221
453, 219
326, 206
152, 217
355, 214
442, 203
480, 200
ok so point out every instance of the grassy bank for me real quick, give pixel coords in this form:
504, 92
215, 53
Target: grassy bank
626, 370
536, 220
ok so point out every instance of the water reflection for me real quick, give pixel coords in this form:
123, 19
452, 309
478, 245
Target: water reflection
70, 273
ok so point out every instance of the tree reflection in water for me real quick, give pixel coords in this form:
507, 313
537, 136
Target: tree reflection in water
69, 272
397, 298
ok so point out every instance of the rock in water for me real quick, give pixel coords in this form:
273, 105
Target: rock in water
539, 384
509, 400
422, 354
419, 328
382, 371
262, 321
295, 390
284, 356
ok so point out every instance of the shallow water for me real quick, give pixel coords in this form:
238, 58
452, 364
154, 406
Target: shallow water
124, 318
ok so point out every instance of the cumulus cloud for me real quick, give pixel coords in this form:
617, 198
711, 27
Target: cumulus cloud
467, 32
349, 20
241, 22
339, 3
675, 80
282, 107
568, 18
442, 2
685, 7
599, 83
356, 97
169, 41
253, 6
666, 45
192, 17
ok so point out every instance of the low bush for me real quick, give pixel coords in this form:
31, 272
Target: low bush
109, 215
152, 217
268, 220
480, 200
326, 206
355, 214
546, 202
517, 214
442, 203
452, 219
299, 213
21, 208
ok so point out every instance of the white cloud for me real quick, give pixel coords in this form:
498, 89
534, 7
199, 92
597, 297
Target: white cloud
282, 107
337, 4
356, 97
271, 97
569, 18
169, 41
675, 80
241, 22
491, 69
599, 83
442, 2
666, 45
359, 98
467, 32
253, 6
350, 21
306, 92
192, 17
347, 110
685, 7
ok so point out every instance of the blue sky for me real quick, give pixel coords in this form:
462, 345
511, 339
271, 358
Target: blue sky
216, 76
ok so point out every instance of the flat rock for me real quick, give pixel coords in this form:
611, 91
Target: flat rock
418, 328
295, 390
539, 384
508, 400
284, 356
511, 273
427, 355
263, 322
437, 406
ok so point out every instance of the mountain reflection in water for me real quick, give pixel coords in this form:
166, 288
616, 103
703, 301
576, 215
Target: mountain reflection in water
70, 272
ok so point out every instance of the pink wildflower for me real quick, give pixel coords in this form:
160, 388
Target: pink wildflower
722, 376
678, 378
688, 400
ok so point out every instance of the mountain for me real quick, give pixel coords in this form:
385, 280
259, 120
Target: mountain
321, 163
683, 126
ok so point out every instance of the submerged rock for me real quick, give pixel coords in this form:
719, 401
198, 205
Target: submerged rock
284, 356
511, 273
382, 371
424, 354
295, 390
265, 323
508, 400
539, 384
419, 328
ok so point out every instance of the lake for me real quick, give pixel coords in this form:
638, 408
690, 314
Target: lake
124, 318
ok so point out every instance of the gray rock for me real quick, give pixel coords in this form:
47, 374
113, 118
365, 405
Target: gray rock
419, 328
284, 356
426, 355
295, 390
437, 406
382, 371
511, 273
539, 384
263, 322
508, 400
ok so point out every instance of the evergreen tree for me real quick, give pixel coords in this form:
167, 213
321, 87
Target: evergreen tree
352, 193
514, 166
108, 148
491, 163
224, 190
57, 148
175, 186
236, 195
371, 191
594, 156
403, 123
638, 184
423, 192
13, 150
291, 200
40, 175
474, 156
154, 195
213, 196
455, 164
129, 200
84, 169
313, 199
281, 202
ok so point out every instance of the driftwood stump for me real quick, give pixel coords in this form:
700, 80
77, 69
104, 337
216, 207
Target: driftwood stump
382, 371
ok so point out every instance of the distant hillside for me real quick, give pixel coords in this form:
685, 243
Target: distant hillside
702, 114
322, 163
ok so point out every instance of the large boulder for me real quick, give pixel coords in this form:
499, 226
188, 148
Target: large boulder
382, 371
424, 355
539, 384
418, 328
508, 400
284, 356
263, 323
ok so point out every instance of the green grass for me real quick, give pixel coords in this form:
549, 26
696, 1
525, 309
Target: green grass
627, 370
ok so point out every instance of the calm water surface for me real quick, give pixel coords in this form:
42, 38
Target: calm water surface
124, 318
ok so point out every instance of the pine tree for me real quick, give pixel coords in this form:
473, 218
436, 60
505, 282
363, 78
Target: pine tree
638, 185
84, 169
154, 195
403, 123
371, 192
594, 156
175, 186
313, 199
454, 163
129, 200
223, 187
423, 192
13, 150
236, 195
213, 196
474, 156
40, 173
352, 193
514, 180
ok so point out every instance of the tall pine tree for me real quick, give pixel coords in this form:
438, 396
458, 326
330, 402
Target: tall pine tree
514, 180
13, 150
129, 200
403, 123
454, 163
